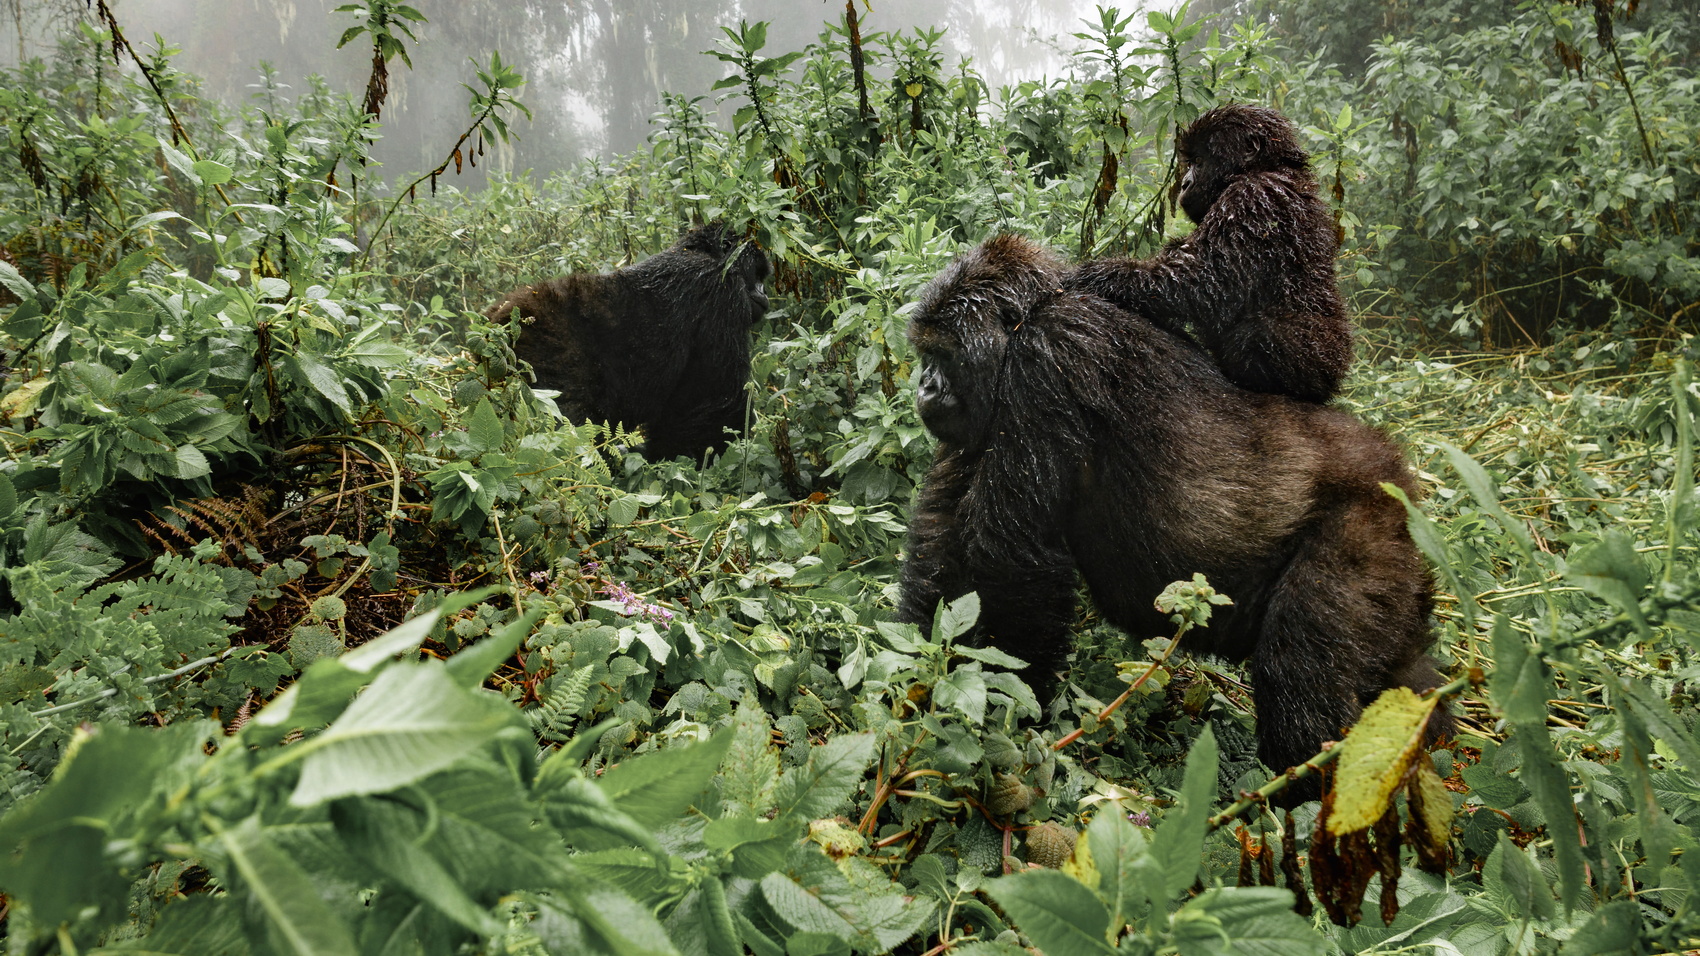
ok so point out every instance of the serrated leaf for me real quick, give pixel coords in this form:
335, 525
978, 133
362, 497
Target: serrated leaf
1060, 916
199, 925
1613, 930
1178, 842
833, 771
1610, 570
1120, 855
1251, 920
296, 917
655, 788
484, 430
1513, 874
586, 816
413, 721
387, 836
751, 768
1374, 757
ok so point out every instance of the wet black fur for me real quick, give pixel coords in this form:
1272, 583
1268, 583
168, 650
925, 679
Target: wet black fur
1074, 435
1255, 280
664, 344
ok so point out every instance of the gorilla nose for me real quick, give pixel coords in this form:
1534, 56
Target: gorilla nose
758, 296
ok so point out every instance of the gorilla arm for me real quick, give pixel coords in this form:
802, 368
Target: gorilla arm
992, 522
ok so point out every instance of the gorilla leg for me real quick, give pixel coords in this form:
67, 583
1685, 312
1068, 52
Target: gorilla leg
1347, 618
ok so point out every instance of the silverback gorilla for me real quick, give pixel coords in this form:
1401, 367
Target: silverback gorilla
664, 344
1255, 280
1073, 435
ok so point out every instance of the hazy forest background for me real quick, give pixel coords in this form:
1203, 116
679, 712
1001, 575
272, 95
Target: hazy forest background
320, 633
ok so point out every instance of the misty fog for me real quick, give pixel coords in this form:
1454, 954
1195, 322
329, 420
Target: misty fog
595, 69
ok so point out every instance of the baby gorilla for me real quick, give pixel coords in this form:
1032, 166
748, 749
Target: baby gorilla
1255, 280
1073, 435
664, 344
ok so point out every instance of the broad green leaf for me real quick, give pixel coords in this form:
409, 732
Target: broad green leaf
1177, 845
1432, 542
796, 905
1245, 921
53, 845
1374, 757
622, 510
954, 618
324, 381
1610, 570
387, 835
588, 818
655, 788
1512, 875
751, 768
484, 430
413, 721
964, 691
1060, 916
833, 771
634, 872
1613, 930
296, 917
490, 833
626, 928
199, 925
704, 914
1120, 853
15, 283
212, 173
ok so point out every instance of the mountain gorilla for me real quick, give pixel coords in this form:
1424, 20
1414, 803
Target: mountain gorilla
1073, 435
1255, 280
664, 344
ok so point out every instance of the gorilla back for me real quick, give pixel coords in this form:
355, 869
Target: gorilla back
664, 344
1074, 435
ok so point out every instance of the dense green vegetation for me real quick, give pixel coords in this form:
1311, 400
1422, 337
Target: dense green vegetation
320, 634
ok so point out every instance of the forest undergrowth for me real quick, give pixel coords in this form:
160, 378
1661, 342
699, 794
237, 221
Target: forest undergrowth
323, 634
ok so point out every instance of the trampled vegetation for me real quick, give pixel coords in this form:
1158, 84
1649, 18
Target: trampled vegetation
321, 634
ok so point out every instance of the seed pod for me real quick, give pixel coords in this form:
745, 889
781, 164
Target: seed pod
1050, 845
1008, 795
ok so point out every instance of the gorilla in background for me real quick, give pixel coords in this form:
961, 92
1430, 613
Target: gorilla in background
1255, 280
1073, 435
664, 344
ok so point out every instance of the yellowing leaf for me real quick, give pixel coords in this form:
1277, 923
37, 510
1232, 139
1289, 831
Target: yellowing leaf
1080, 865
1374, 758
21, 401
913, 89
1431, 806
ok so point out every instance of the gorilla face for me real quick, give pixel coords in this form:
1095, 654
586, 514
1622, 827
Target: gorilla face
737, 261
944, 409
753, 266
962, 332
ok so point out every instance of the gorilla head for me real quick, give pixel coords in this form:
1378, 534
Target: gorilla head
1230, 140
663, 344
